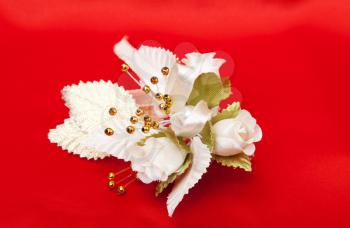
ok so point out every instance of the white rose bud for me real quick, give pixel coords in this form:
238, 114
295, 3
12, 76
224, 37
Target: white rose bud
233, 136
156, 160
191, 120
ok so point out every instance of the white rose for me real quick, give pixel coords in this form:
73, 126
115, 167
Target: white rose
191, 120
156, 160
233, 136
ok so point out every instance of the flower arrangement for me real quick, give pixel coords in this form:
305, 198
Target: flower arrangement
169, 130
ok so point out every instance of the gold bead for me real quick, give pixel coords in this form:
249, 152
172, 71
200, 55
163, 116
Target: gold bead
158, 96
165, 71
139, 112
130, 129
111, 175
147, 118
148, 124
124, 67
167, 111
163, 106
109, 131
146, 89
155, 124
154, 80
134, 119
111, 184
121, 190
169, 101
166, 97
145, 129
112, 111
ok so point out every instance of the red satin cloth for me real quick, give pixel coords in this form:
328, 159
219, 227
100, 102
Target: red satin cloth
291, 72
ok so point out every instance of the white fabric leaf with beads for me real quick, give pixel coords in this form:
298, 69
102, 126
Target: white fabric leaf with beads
200, 163
146, 62
68, 136
89, 105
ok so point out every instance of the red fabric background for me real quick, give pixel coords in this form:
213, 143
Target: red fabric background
291, 66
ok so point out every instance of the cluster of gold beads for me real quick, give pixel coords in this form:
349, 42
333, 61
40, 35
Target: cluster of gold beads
148, 123
167, 104
116, 183
167, 100
112, 184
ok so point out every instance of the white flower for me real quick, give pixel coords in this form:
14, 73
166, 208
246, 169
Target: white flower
233, 136
156, 160
149, 61
191, 120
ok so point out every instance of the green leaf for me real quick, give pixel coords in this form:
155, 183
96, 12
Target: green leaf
226, 83
236, 161
208, 135
210, 88
164, 184
169, 134
230, 112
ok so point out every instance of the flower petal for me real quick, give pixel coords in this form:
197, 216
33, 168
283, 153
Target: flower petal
201, 161
146, 62
191, 120
181, 82
249, 150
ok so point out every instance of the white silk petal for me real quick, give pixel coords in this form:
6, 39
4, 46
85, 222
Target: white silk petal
115, 145
191, 120
142, 177
249, 150
179, 87
146, 62
200, 163
181, 82
257, 133
69, 136
227, 146
147, 103
246, 118
142, 99
202, 63
157, 159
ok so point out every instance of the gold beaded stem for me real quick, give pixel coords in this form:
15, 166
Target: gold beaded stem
129, 182
133, 78
112, 175
124, 178
139, 112
125, 68
123, 170
111, 184
122, 188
